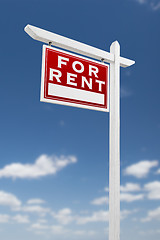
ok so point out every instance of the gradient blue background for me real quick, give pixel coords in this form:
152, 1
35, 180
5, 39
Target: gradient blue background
29, 128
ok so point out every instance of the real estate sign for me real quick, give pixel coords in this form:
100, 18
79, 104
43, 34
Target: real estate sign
70, 79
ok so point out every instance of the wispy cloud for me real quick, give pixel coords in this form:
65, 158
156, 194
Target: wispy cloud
100, 201
124, 197
39, 226
58, 230
155, 6
4, 218
152, 215
99, 216
140, 169
127, 197
61, 229
33, 209
21, 218
11, 201
125, 213
64, 216
35, 201
125, 92
141, 1
152, 4
130, 187
43, 166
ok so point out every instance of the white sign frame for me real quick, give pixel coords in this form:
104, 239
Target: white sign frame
43, 99
116, 61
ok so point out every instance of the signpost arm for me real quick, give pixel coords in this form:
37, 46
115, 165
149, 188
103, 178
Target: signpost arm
72, 45
114, 150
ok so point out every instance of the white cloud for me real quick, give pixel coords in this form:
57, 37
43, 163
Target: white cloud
39, 226
153, 189
58, 229
33, 209
127, 197
140, 169
42, 220
44, 165
64, 216
152, 215
130, 187
125, 194
4, 218
21, 218
100, 201
35, 201
82, 233
99, 216
8, 199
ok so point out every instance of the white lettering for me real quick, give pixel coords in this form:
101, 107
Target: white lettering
61, 60
94, 70
78, 70
55, 73
100, 85
89, 84
71, 78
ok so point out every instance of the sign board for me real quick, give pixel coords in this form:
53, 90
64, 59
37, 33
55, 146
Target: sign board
73, 80
69, 79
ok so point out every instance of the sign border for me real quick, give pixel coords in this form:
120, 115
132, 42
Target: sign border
42, 99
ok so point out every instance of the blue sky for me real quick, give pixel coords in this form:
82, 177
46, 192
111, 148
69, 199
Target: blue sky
54, 159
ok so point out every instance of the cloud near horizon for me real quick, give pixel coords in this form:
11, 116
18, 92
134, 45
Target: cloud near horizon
43, 166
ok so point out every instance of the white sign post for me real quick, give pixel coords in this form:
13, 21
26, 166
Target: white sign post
116, 61
114, 145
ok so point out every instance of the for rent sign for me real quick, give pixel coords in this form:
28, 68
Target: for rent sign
73, 80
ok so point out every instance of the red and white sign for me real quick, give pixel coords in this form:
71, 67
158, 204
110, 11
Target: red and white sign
72, 80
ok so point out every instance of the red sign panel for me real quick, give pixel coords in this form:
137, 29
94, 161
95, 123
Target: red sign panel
69, 79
